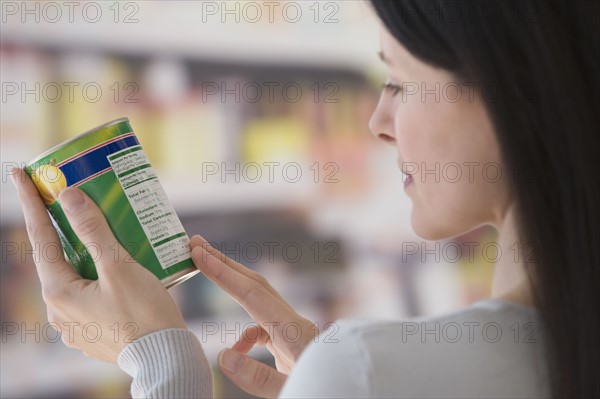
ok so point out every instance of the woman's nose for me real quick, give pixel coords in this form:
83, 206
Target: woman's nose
386, 138
379, 127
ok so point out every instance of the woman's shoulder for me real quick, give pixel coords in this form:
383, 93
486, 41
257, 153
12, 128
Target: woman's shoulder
492, 348
489, 320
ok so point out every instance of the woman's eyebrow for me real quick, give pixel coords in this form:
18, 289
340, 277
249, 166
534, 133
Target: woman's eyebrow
385, 59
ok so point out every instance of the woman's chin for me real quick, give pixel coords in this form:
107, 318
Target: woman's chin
429, 230
435, 230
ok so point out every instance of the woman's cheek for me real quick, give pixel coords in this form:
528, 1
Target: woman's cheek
444, 207
410, 130
445, 201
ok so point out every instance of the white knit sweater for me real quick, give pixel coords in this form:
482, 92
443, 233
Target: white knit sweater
490, 349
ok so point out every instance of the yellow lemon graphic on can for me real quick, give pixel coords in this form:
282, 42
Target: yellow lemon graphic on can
50, 181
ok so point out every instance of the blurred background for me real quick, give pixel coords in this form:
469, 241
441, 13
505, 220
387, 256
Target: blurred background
255, 116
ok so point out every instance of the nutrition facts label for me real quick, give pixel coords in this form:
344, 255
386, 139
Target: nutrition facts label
151, 206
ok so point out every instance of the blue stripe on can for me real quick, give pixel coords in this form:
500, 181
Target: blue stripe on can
94, 161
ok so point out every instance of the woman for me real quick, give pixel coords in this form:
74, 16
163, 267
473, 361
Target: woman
516, 86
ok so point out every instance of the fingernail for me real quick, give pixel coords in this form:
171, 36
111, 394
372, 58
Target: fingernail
205, 244
71, 199
196, 239
232, 361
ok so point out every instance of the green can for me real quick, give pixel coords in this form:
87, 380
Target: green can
110, 166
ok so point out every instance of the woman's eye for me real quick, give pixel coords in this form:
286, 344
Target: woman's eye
394, 89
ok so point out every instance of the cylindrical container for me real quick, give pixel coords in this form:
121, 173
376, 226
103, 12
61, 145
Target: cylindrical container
109, 165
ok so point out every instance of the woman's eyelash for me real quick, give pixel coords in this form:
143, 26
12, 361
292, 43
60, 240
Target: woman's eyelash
395, 89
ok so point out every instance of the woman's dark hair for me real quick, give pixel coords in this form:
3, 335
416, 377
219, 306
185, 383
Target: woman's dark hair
541, 60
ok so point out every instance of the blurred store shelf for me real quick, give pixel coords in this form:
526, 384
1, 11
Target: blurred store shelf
197, 197
340, 37
192, 196
55, 368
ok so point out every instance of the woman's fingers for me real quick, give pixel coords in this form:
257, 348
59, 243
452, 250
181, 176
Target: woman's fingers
251, 336
256, 296
53, 270
252, 376
197, 240
267, 310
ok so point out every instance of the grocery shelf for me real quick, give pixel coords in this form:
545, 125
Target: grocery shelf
56, 367
202, 37
194, 197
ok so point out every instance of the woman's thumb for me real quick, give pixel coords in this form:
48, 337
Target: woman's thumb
89, 223
252, 376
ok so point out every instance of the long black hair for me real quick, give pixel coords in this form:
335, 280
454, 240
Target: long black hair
543, 58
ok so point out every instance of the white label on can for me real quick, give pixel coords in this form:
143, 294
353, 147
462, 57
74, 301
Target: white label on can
151, 206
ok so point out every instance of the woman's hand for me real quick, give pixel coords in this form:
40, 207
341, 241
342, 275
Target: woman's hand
97, 317
279, 327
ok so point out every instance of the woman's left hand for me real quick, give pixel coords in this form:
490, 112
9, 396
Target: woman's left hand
97, 317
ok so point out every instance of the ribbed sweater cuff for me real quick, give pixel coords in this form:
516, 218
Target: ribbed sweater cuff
167, 364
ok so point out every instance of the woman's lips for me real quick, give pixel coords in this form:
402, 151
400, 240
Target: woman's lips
407, 177
408, 180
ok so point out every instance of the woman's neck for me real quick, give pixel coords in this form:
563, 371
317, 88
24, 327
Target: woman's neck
510, 281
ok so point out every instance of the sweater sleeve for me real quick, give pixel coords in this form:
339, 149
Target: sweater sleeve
336, 366
167, 364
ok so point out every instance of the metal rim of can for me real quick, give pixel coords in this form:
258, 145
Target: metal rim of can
179, 277
73, 139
